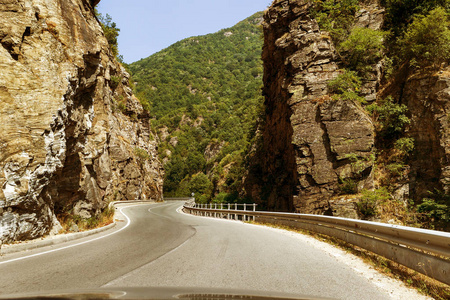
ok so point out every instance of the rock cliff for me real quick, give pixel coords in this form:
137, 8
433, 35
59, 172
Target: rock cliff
74, 137
427, 96
311, 144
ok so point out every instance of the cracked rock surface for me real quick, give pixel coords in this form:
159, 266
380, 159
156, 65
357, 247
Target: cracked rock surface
310, 142
73, 133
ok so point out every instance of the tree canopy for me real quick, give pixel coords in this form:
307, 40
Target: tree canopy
111, 32
205, 91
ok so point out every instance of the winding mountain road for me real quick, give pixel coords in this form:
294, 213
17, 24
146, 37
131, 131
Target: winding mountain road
156, 245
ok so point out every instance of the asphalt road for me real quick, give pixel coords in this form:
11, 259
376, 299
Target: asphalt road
161, 247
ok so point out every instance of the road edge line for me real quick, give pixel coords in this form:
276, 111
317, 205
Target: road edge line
62, 238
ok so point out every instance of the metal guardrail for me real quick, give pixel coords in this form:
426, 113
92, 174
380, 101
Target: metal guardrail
178, 199
425, 251
227, 206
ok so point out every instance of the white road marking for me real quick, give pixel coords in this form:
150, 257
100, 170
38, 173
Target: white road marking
74, 245
150, 210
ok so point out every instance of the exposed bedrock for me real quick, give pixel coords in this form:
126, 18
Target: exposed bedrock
310, 143
73, 134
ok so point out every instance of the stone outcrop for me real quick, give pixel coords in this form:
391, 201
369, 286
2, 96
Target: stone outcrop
310, 143
73, 135
371, 15
312, 146
427, 95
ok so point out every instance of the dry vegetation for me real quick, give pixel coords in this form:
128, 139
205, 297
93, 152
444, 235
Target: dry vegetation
68, 221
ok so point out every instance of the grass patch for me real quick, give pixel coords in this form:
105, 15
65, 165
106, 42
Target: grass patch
141, 153
348, 186
67, 220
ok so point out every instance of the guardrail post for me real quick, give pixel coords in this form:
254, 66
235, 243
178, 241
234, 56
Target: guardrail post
235, 215
228, 215
244, 217
254, 209
215, 207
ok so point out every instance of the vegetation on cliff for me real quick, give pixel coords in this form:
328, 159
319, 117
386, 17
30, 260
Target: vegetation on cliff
416, 34
111, 32
426, 41
204, 94
419, 40
335, 17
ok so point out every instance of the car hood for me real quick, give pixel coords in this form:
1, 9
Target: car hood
159, 293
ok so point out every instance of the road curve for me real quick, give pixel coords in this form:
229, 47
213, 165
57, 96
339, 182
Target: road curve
162, 247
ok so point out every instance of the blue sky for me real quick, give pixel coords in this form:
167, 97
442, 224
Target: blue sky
148, 26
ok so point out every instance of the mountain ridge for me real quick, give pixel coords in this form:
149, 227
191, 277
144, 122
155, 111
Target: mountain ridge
210, 86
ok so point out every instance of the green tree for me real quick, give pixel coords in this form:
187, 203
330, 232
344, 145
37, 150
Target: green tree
400, 13
175, 171
200, 185
335, 16
362, 48
436, 210
427, 40
111, 32
367, 204
195, 161
405, 145
346, 86
391, 117
205, 90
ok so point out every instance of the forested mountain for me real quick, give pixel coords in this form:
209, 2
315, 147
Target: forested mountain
204, 95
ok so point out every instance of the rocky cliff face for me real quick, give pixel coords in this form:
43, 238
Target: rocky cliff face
310, 144
73, 135
427, 96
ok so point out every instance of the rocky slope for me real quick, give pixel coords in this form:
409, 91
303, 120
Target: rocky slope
427, 95
312, 144
73, 135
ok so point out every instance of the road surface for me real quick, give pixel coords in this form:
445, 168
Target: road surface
159, 246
